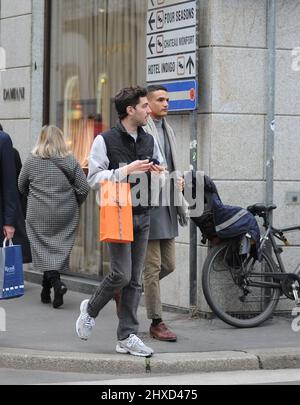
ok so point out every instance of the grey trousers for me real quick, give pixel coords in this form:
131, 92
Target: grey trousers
126, 264
160, 261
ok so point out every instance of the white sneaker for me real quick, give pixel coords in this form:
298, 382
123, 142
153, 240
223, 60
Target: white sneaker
134, 346
85, 322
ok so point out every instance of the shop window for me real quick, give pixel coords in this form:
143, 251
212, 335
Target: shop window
97, 47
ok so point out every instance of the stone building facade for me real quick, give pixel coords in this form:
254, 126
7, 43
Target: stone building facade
232, 114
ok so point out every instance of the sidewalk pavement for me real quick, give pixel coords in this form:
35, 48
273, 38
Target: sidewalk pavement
38, 337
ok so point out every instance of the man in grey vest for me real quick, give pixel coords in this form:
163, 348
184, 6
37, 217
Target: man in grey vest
160, 258
118, 153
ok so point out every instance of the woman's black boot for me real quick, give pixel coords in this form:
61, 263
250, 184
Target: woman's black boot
46, 291
59, 288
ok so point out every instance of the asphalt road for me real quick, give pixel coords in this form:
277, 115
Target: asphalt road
256, 377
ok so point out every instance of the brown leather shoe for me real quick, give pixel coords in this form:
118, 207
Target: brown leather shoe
162, 332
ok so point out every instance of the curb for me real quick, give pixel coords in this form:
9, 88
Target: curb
125, 364
272, 359
171, 363
160, 363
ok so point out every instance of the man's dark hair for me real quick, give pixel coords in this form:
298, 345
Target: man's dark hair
156, 87
128, 97
1, 127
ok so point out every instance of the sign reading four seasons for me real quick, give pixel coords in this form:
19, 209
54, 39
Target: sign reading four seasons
171, 40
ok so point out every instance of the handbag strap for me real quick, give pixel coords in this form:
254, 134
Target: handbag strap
119, 209
119, 205
71, 181
10, 242
2, 270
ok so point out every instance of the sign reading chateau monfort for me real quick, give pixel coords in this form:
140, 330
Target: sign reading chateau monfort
14, 94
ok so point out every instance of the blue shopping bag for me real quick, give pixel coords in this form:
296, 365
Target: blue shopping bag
11, 271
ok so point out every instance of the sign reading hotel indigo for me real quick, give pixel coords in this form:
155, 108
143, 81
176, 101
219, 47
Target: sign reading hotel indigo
14, 94
171, 40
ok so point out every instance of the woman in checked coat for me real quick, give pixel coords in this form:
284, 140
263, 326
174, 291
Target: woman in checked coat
56, 187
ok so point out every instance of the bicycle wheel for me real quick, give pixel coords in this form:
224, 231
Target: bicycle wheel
226, 280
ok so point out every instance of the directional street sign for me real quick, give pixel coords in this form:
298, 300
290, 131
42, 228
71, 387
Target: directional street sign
172, 18
183, 95
171, 40
171, 67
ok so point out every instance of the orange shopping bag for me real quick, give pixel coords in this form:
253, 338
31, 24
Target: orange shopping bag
116, 224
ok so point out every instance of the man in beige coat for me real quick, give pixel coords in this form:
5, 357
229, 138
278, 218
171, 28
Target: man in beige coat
160, 258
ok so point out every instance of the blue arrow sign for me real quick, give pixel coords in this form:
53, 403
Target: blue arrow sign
183, 95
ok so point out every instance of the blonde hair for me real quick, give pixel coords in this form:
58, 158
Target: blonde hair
51, 143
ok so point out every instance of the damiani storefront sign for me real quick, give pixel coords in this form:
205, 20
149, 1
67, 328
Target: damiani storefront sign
14, 94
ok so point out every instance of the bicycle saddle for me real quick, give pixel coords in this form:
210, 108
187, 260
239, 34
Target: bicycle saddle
259, 209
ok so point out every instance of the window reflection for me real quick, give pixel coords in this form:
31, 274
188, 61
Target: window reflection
98, 47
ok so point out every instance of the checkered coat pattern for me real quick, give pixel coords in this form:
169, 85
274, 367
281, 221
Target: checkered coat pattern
53, 209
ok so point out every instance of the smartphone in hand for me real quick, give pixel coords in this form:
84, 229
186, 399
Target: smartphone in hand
154, 161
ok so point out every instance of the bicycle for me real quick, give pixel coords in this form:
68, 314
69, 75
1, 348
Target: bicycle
239, 289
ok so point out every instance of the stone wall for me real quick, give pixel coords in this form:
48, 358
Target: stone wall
21, 36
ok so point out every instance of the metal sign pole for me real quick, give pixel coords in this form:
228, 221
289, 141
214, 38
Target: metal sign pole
271, 103
194, 166
193, 228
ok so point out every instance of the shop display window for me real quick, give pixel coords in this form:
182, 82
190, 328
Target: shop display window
97, 47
